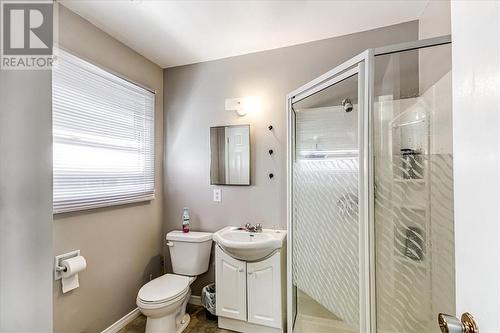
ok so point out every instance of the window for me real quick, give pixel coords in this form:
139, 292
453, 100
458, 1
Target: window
103, 132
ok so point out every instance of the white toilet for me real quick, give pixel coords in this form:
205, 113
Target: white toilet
163, 300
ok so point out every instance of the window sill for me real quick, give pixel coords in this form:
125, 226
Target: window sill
103, 205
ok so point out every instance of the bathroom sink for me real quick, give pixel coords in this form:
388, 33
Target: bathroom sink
249, 246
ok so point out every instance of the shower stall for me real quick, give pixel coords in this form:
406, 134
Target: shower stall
370, 193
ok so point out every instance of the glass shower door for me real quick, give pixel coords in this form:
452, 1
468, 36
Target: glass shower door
370, 195
413, 175
326, 257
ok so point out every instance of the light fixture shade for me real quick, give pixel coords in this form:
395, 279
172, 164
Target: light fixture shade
243, 105
241, 112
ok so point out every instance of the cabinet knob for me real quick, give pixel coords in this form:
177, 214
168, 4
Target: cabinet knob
240, 270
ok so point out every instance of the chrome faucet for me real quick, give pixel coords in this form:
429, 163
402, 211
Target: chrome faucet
253, 228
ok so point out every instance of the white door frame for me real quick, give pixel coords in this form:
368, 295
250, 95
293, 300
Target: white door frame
363, 65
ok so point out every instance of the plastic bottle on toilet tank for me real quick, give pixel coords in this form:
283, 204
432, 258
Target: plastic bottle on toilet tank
185, 220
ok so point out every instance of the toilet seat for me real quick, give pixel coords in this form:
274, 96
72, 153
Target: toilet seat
165, 289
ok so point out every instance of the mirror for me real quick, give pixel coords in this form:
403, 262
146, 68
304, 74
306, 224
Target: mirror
230, 155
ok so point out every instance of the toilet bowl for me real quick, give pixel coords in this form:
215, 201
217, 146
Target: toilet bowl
163, 300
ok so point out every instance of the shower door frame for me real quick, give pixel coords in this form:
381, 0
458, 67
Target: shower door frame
362, 65
358, 65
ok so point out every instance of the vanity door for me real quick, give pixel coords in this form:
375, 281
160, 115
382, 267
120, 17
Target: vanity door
264, 292
230, 279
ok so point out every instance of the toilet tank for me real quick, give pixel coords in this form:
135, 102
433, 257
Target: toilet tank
189, 252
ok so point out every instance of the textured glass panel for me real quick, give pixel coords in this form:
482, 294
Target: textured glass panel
325, 211
413, 190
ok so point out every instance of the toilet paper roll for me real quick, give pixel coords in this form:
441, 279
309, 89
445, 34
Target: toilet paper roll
70, 275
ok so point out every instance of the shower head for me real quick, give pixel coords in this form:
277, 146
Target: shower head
347, 104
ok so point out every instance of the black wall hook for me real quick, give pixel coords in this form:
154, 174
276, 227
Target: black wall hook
271, 151
270, 127
271, 176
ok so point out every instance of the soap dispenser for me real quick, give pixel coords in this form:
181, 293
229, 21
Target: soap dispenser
185, 220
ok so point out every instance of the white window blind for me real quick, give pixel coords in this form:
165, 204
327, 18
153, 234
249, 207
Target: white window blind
103, 132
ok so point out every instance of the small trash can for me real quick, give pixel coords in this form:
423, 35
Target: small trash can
208, 301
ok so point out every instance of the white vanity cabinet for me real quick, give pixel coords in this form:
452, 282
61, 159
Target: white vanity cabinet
250, 296
230, 274
264, 292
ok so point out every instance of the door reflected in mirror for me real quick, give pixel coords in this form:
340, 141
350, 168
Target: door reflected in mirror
230, 155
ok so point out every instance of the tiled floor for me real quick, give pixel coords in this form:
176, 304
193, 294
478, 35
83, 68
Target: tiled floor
198, 324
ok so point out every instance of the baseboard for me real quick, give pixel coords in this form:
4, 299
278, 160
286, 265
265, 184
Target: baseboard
122, 322
244, 326
195, 300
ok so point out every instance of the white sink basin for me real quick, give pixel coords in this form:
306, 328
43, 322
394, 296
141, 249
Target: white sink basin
249, 246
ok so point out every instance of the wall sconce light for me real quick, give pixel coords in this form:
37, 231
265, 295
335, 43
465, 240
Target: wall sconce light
243, 105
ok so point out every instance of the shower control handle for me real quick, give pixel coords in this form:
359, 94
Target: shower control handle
451, 324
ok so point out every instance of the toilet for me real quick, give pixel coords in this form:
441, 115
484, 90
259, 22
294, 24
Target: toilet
163, 300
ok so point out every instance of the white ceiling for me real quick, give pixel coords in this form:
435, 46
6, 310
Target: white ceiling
173, 33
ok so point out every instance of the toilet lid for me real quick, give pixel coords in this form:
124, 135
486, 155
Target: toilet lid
164, 288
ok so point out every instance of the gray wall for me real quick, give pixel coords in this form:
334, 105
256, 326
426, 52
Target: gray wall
194, 101
122, 244
25, 201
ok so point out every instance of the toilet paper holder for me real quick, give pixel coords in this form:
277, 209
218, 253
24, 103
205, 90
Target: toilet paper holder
61, 269
58, 267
